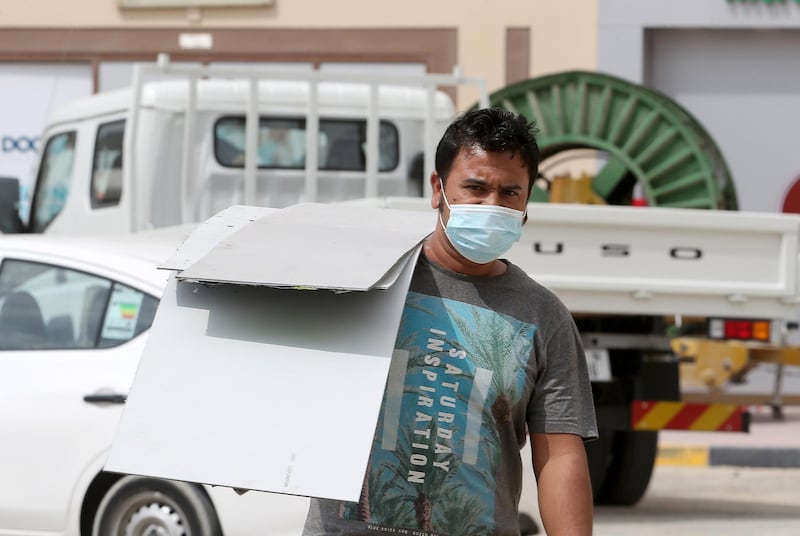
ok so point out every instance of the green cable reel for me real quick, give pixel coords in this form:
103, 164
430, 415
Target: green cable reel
648, 138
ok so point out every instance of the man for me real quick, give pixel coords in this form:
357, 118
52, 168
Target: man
275, 148
483, 354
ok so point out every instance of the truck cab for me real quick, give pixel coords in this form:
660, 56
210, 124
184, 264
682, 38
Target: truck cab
170, 152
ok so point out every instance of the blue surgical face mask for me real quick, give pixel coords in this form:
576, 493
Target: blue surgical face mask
482, 233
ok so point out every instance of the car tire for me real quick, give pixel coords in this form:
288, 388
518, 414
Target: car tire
138, 505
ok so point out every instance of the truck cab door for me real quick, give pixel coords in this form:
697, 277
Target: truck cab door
79, 184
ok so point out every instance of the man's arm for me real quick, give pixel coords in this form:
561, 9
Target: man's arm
565, 491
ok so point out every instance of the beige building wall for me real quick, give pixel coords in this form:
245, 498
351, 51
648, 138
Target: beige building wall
501, 40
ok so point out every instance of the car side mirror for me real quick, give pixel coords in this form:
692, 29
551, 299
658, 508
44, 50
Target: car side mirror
9, 206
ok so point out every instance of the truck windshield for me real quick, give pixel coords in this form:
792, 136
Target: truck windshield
53, 180
282, 143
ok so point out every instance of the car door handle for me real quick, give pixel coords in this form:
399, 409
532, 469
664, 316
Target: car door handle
105, 398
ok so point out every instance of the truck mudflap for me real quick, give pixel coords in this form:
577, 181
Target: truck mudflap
663, 415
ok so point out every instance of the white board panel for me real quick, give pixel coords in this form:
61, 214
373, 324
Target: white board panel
261, 388
208, 234
347, 254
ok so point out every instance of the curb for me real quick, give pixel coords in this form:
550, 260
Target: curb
682, 455
702, 456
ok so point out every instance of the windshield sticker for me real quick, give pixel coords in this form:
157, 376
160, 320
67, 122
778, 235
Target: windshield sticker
123, 312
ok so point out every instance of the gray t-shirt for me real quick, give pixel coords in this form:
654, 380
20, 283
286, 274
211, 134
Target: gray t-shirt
478, 362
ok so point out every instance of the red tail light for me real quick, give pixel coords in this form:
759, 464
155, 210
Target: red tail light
721, 328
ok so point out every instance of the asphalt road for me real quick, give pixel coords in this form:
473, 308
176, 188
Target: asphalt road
699, 501
703, 501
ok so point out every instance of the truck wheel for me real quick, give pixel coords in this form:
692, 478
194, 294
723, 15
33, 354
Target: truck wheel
633, 455
136, 505
598, 454
527, 525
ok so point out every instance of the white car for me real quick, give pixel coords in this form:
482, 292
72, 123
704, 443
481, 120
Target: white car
74, 315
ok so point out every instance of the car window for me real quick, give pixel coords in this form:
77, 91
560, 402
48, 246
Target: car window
52, 183
44, 306
282, 143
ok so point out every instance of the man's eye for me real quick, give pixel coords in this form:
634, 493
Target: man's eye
512, 193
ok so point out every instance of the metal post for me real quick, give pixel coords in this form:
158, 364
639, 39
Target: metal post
483, 98
429, 138
129, 143
371, 187
776, 402
251, 128
312, 142
187, 169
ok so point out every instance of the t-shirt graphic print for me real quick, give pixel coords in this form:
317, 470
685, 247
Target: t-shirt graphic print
457, 372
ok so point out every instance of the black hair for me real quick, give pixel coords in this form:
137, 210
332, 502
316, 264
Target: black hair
494, 130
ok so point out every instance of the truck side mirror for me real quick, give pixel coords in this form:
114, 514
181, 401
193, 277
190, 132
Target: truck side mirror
9, 203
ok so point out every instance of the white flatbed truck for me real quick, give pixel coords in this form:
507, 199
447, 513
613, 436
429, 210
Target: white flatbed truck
659, 294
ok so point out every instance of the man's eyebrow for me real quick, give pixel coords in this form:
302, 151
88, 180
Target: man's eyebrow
480, 182
512, 187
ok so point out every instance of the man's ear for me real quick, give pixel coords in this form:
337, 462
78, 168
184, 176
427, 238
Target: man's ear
436, 190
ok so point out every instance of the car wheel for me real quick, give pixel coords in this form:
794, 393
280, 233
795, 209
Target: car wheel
147, 506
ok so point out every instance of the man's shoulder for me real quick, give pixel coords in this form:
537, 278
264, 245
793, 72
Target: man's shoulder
528, 282
529, 287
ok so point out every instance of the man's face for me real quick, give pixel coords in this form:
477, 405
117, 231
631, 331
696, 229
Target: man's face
481, 177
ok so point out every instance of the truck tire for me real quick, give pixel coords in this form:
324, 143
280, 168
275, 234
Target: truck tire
527, 525
598, 454
137, 505
633, 455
